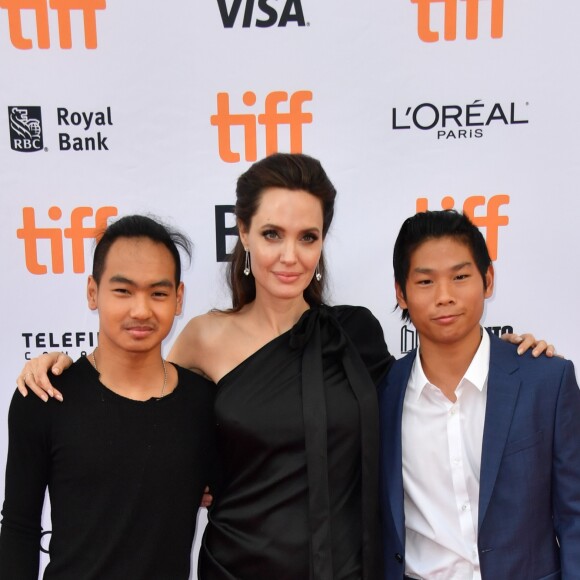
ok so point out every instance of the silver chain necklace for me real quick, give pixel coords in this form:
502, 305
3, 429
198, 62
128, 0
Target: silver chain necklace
162, 362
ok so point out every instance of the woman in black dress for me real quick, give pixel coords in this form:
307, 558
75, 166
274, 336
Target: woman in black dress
295, 406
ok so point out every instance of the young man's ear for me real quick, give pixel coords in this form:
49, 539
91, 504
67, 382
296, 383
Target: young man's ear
92, 293
179, 306
489, 278
400, 296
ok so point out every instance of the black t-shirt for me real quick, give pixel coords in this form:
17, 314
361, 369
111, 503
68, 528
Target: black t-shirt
125, 479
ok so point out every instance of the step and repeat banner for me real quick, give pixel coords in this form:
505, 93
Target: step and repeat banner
110, 107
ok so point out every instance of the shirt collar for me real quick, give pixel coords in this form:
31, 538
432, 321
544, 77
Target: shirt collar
476, 373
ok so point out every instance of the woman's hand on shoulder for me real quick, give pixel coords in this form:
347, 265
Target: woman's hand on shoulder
34, 375
527, 341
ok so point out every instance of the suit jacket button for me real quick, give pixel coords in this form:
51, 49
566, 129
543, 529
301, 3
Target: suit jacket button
399, 558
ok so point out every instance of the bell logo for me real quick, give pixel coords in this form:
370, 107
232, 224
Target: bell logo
63, 10
271, 119
77, 233
426, 34
491, 220
409, 339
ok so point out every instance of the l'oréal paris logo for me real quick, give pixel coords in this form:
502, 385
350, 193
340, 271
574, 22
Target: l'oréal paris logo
467, 121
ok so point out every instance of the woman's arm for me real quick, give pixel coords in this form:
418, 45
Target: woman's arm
34, 374
187, 352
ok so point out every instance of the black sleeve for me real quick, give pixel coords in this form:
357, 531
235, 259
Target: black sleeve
216, 478
214, 472
205, 392
366, 333
27, 470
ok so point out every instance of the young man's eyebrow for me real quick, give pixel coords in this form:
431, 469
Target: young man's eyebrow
456, 267
164, 283
462, 265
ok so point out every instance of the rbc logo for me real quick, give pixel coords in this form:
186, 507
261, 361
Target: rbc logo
426, 34
63, 10
25, 129
292, 12
77, 233
491, 220
271, 119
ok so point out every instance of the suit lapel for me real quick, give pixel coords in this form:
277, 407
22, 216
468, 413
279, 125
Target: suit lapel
503, 387
391, 422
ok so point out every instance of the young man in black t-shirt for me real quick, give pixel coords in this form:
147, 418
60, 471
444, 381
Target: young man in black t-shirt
127, 453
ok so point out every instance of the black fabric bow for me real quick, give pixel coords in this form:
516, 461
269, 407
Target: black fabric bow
320, 334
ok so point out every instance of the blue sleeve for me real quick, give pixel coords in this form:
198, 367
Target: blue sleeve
566, 473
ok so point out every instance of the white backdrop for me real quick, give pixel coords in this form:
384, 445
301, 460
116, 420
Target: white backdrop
142, 106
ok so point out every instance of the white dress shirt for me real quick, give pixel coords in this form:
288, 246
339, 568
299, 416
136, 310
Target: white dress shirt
441, 466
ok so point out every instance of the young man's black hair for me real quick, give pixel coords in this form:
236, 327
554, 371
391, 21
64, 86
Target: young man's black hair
140, 226
432, 225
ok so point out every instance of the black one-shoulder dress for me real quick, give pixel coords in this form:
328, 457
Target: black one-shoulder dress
297, 427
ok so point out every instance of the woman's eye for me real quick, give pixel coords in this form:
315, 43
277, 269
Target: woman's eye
270, 234
310, 238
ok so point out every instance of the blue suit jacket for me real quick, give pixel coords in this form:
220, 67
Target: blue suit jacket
530, 468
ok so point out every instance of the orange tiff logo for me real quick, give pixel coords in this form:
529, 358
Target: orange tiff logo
271, 119
63, 9
77, 233
450, 19
490, 218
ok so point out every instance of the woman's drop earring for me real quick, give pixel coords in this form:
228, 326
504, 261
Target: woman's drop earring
317, 273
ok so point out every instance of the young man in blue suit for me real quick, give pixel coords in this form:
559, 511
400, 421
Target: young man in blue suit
480, 448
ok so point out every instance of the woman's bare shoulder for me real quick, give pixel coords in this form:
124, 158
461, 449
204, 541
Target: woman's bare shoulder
199, 338
209, 326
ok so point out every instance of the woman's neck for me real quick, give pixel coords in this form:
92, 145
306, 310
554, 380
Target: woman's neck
276, 315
